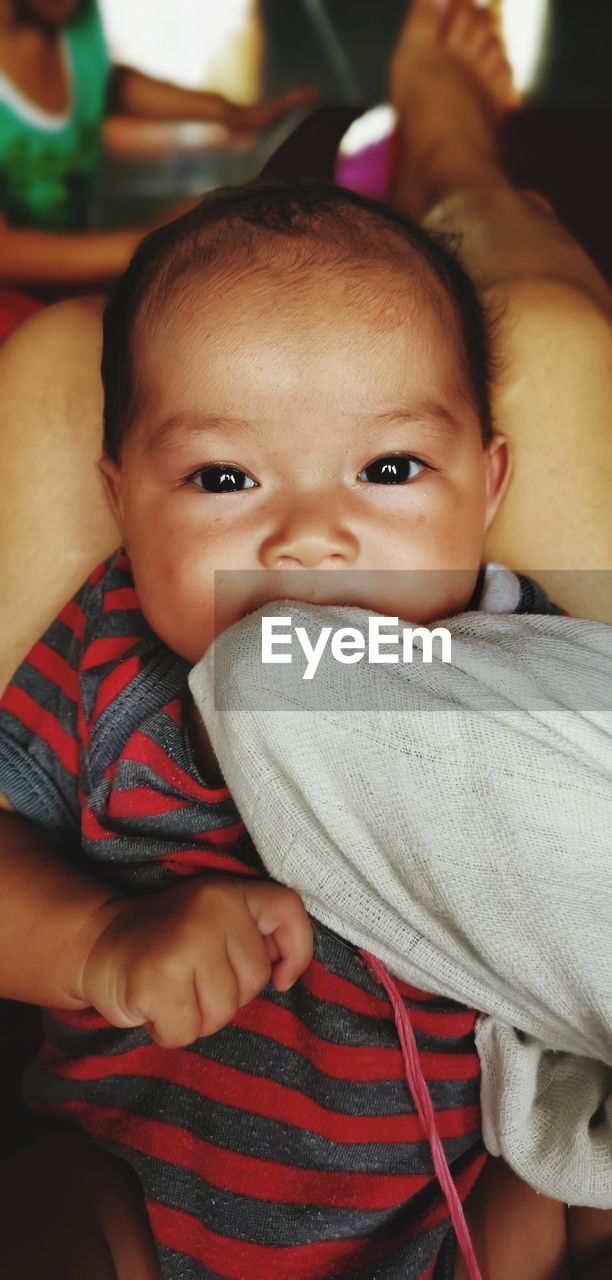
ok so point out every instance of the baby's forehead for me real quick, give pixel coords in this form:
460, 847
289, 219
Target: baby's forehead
219, 316
314, 259
382, 280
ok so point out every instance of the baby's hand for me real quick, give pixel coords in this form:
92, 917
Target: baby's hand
183, 961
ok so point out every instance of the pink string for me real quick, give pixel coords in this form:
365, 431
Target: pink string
425, 1112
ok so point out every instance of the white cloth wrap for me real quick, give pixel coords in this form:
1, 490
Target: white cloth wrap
461, 830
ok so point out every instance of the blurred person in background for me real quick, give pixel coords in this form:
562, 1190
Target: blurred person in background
56, 85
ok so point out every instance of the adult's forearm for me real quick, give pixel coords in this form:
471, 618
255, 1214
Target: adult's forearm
40, 258
140, 95
50, 918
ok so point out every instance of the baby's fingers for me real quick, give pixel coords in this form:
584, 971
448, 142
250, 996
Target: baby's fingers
272, 948
176, 1019
295, 942
280, 917
191, 1002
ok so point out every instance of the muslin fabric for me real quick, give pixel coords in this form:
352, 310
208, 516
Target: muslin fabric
456, 821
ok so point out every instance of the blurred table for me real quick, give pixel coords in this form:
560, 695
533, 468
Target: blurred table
149, 165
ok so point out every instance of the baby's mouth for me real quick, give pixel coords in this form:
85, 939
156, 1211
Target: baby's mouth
413, 595
341, 588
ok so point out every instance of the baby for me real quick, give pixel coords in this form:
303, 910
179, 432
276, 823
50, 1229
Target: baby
294, 379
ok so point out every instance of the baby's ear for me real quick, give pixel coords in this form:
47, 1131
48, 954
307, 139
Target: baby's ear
499, 470
111, 480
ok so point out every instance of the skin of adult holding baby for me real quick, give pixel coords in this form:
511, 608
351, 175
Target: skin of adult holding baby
291, 384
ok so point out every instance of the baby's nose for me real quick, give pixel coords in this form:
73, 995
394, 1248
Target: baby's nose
311, 538
310, 558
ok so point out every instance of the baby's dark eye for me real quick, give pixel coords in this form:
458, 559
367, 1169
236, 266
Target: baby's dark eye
395, 468
221, 478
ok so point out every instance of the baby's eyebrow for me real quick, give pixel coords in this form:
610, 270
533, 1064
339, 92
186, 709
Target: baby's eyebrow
429, 413
191, 424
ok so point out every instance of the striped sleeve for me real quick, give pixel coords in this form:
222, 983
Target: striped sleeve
39, 741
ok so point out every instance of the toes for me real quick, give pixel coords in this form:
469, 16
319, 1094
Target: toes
470, 30
421, 31
499, 78
495, 70
491, 54
462, 28
471, 35
424, 21
465, 30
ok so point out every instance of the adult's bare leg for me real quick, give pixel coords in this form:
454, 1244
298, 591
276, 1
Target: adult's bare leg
551, 307
69, 1210
517, 1234
55, 524
554, 341
552, 329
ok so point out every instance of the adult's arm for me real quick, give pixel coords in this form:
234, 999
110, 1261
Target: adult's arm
141, 95
37, 259
52, 914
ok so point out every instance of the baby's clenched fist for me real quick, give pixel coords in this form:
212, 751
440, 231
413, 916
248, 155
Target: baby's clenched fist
182, 962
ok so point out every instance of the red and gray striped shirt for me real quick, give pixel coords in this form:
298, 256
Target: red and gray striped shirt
287, 1145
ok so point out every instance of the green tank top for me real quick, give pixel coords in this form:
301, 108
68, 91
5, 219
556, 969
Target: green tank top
48, 162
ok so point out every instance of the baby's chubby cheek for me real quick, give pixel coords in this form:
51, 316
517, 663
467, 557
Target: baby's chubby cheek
176, 595
448, 532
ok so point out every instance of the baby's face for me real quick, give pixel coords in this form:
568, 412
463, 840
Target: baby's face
269, 417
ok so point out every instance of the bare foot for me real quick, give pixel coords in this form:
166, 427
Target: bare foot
451, 84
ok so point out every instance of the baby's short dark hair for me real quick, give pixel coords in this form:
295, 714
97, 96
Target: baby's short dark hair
327, 223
